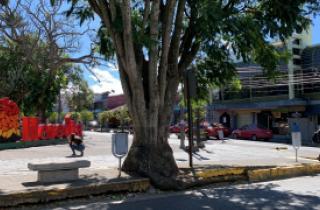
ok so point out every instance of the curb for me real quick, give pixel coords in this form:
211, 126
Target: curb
29, 197
27, 144
207, 173
251, 174
202, 176
259, 175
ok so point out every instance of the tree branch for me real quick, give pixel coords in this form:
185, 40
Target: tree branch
166, 32
175, 40
153, 54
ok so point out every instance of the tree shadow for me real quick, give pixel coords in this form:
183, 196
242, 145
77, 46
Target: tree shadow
228, 198
85, 180
199, 157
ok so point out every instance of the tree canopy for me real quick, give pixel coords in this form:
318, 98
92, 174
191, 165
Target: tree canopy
36, 44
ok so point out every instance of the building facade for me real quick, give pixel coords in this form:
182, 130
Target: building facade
105, 101
293, 96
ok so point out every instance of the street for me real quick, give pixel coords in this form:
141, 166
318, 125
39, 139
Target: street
294, 194
98, 151
13, 163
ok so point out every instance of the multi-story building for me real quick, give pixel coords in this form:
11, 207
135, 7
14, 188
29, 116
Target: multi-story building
100, 102
105, 101
292, 96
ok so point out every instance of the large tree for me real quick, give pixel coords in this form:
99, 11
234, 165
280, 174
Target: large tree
38, 32
155, 41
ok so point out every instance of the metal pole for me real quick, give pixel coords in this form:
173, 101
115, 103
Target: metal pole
296, 154
189, 123
119, 167
182, 128
199, 143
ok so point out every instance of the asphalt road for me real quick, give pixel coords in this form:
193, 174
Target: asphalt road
292, 194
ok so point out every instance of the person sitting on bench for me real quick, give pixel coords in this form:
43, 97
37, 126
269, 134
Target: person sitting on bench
76, 143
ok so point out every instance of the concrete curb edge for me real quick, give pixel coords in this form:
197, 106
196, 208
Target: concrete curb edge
201, 178
14, 199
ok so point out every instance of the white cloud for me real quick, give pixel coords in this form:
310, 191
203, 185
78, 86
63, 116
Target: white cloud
112, 67
107, 82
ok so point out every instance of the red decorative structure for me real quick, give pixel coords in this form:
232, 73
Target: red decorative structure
31, 129
60, 131
42, 132
9, 120
72, 127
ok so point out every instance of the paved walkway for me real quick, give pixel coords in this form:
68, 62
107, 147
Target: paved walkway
15, 176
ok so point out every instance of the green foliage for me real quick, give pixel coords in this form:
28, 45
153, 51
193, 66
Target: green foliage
115, 117
79, 96
226, 31
34, 45
31, 88
104, 117
75, 116
53, 117
122, 115
86, 116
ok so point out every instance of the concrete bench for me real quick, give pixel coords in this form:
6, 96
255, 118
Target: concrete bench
58, 172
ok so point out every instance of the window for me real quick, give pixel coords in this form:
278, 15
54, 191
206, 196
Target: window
296, 42
296, 61
296, 51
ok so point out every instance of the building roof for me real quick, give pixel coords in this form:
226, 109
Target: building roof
115, 101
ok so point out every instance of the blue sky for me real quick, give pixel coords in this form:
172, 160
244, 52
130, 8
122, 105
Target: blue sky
316, 30
109, 77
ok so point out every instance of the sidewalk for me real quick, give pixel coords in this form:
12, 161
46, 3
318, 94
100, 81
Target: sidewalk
235, 157
22, 189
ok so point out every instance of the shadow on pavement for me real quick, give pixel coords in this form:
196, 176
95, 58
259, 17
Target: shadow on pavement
84, 180
251, 197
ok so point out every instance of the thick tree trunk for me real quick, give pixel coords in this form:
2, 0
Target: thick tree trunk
150, 82
151, 155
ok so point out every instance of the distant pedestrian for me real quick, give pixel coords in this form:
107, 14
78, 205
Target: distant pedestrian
76, 144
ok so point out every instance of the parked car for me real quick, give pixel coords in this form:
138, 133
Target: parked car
176, 129
252, 132
212, 130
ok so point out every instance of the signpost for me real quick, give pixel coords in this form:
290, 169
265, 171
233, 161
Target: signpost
220, 135
296, 138
120, 146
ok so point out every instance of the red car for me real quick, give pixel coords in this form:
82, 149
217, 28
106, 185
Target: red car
212, 130
176, 129
252, 132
